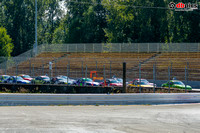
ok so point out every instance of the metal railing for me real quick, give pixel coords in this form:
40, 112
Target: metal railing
121, 47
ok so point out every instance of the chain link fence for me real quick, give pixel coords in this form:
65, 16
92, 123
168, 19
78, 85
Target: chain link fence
181, 59
111, 47
105, 67
120, 47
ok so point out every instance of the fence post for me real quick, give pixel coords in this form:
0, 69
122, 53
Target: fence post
124, 77
33, 71
185, 79
67, 73
55, 68
85, 74
67, 47
93, 47
120, 48
110, 68
140, 76
42, 69
171, 68
82, 69
102, 47
104, 73
155, 70
84, 47
16, 69
157, 47
187, 70
6, 67
169, 79
154, 78
30, 66
96, 65
69, 68
198, 48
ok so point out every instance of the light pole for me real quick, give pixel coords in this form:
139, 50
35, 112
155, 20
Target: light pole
35, 48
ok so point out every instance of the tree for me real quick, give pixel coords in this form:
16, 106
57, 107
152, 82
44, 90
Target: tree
6, 46
94, 23
19, 22
49, 18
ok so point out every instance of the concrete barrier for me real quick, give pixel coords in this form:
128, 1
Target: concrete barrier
97, 99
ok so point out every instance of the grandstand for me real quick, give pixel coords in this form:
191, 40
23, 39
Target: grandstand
73, 63
177, 63
78, 61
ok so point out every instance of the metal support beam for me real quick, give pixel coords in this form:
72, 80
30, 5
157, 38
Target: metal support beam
124, 77
140, 77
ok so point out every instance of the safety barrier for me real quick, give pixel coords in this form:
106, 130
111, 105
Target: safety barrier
97, 99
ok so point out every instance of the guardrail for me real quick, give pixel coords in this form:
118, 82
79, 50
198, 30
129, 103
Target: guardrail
97, 99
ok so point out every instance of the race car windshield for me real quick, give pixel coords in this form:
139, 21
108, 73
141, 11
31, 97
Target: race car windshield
120, 80
26, 76
114, 81
6, 77
19, 78
144, 80
179, 83
142, 83
65, 77
89, 80
46, 78
98, 80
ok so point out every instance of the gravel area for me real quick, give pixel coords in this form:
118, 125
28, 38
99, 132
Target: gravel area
183, 118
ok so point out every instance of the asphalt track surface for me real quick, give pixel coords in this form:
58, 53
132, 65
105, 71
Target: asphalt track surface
182, 118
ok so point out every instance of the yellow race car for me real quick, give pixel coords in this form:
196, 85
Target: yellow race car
143, 83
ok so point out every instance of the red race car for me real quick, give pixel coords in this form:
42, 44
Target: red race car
111, 82
26, 77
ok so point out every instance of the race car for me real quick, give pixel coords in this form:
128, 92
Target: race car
111, 82
70, 80
3, 78
120, 80
60, 80
86, 82
41, 80
142, 83
17, 79
26, 77
176, 84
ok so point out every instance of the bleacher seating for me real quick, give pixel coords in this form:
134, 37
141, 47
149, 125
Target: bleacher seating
77, 62
40, 64
177, 62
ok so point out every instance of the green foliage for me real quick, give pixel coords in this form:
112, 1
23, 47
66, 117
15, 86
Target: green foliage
6, 46
97, 21
18, 19
59, 36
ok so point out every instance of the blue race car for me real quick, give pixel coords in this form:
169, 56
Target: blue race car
17, 79
4, 78
86, 82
